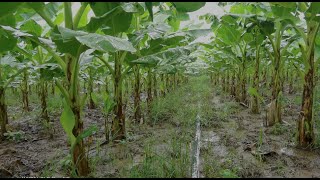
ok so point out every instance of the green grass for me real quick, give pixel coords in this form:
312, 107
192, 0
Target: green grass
180, 107
57, 165
174, 163
278, 129
212, 168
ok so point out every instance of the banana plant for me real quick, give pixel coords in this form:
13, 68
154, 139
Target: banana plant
273, 25
45, 71
71, 44
90, 70
9, 70
274, 28
124, 14
309, 40
232, 32
7, 75
252, 12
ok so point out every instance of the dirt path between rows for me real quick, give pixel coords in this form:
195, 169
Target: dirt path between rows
240, 141
235, 143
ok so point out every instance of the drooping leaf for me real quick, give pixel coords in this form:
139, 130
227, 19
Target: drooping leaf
50, 70
149, 7
110, 24
94, 98
32, 27
160, 17
84, 18
8, 7
166, 55
87, 132
174, 23
52, 8
8, 20
108, 104
15, 32
8, 60
229, 34
188, 6
267, 27
37, 6
253, 92
7, 41
67, 121
65, 40
105, 43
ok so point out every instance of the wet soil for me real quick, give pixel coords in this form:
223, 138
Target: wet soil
238, 139
254, 149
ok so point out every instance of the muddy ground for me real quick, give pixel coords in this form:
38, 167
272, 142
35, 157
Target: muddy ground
233, 145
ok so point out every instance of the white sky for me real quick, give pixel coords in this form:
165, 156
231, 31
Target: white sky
210, 7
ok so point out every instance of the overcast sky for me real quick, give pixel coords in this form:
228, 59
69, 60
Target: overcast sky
210, 7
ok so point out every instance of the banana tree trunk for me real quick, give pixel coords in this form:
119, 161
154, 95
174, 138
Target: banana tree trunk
106, 85
264, 78
282, 80
179, 79
291, 88
255, 100
30, 90
137, 100
306, 134
167, 89
228, 82
79, 157
99, 88
118, 122
243, 82
233, 86
126, 94
3, 112
149, 90
43, 97
79, 153
24, 90
52, 88
305, 123
174, 81
91, 104
238, 89
218, 78
274, 109
223, 83
163, 91
155, 92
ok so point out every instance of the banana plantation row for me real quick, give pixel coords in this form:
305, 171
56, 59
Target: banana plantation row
283, 38
48, 45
